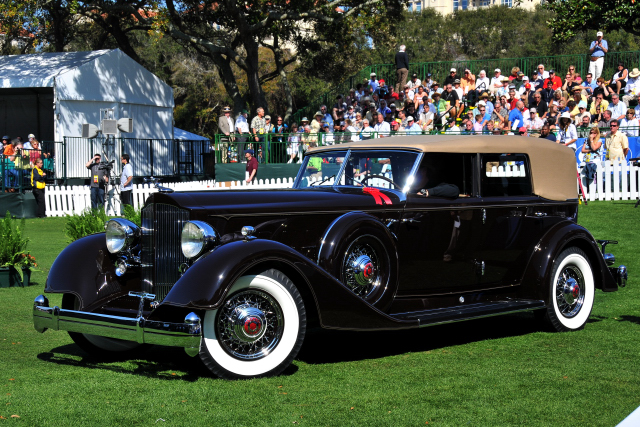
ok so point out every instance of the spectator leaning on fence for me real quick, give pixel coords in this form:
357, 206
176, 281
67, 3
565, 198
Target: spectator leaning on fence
258, 125
629, 124
584, 127
242, 128
616, 143
597, 50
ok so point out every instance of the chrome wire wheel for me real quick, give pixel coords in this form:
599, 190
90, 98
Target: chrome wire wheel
365, 268
258, 329
250, 325
570, 289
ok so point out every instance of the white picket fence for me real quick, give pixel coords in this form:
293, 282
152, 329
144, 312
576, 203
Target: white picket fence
67, 200
612, 182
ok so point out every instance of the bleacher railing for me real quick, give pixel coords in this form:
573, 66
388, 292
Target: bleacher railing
440, 69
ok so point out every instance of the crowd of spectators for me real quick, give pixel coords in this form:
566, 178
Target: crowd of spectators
566, 103
19, 158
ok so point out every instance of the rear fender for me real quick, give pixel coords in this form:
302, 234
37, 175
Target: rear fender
563, 235
207, 282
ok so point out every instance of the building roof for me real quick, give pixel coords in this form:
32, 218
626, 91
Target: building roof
553, 166
40, 69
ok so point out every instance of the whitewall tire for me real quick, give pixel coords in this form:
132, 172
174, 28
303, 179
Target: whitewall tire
258, 329
572, 291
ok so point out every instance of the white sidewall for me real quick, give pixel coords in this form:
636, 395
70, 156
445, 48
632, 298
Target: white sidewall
581, 318
282, 350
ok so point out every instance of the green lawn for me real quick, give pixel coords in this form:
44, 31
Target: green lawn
491, 372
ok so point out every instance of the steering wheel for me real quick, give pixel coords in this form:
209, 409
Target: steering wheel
366, 178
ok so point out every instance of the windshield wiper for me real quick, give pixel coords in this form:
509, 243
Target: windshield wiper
323, 181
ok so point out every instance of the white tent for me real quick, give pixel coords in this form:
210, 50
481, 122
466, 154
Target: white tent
53, 94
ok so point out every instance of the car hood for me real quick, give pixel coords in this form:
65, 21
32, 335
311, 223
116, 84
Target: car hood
233, 202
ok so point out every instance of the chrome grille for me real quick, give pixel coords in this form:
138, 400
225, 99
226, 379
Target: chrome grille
161, 254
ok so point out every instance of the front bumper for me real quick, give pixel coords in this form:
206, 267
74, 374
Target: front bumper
139, 329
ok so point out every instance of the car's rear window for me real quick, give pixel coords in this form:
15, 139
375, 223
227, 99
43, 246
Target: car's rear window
505, 175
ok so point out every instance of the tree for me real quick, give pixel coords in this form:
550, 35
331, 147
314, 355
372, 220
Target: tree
231, 34
573, 16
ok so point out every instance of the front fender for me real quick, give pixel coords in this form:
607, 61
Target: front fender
206, 283
537, 275
84, 269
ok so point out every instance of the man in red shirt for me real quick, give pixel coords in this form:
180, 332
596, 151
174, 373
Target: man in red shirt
252, 165
557, 81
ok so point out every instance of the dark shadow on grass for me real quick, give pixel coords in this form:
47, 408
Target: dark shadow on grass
328, 346
168, 363
632, 319
596, 319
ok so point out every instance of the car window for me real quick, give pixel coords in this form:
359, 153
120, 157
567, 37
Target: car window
320, 169
368, 168
505, 175
378, 168
437, 169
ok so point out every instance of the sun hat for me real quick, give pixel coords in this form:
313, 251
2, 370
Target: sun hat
634, 73
565, 115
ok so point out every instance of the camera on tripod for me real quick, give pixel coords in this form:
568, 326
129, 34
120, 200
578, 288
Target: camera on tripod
106, 166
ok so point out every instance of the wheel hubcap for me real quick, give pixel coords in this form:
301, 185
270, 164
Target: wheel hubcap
570, 289
250, 325
362, 269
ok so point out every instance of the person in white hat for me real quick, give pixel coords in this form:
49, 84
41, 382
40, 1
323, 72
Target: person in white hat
597, 50
452, 77
373, 82
27, 145
632, 88
496, 81
533, 122
567, 133
412, 127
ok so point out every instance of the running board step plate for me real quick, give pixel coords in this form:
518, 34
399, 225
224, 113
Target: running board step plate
470, 311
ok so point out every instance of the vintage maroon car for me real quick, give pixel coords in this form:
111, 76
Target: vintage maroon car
393, 233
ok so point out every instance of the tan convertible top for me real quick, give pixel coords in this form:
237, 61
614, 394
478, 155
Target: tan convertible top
553, 166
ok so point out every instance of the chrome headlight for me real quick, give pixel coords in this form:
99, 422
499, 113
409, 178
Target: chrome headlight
197, 237
121, 234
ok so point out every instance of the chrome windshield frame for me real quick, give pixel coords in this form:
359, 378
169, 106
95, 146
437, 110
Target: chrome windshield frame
341, 171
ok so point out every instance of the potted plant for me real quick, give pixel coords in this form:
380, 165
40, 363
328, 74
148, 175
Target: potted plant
16, 262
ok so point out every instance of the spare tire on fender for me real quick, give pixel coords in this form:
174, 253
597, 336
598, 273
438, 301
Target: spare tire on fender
361, 252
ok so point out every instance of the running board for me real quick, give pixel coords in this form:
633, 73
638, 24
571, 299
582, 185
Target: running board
468, 312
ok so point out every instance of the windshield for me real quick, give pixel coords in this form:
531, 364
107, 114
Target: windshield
370, 168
